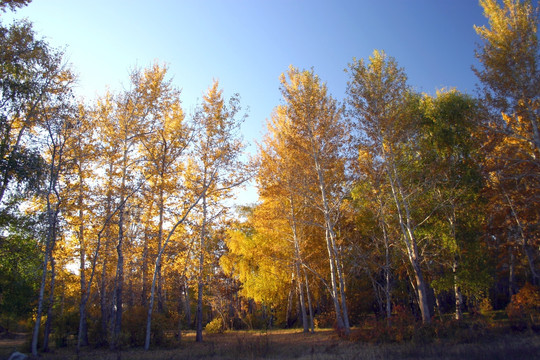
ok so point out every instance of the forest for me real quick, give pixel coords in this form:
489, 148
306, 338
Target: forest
392, 210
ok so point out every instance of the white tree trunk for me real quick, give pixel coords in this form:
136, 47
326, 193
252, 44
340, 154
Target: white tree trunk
297, 267
457, 292
50, 238
157, 269
199, 314
311, 321
336, 273
405, 223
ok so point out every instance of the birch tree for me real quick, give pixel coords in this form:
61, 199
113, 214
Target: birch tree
78, 207
126, 119
509, 74
378, 97
283, 191
216, 169
166, 151
55, 109
448, 146
314, 130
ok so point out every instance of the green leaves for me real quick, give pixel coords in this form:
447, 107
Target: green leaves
20, 261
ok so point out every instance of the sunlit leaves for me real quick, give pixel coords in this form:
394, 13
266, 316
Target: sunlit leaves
509, 55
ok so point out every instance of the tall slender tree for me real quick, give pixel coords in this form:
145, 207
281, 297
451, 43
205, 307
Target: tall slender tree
379, 99
448, 145
56, 119
282, 191
166, 152
509, 74
314, 131
127, 119
77, 209
216, 170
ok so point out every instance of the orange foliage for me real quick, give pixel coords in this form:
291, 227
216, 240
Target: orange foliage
524, 309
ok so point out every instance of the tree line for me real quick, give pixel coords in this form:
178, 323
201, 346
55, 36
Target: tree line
389, 201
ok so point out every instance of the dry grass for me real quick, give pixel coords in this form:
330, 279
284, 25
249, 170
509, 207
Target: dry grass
292, 344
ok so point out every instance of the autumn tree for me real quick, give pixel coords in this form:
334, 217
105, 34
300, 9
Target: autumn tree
381, 103
375, 236
36, 116
284, 190
216, 170
57, 116
260, 257
312, 129
449, 148
125, 120
162, 151
78, 207
58, 119
166, 154
510, 89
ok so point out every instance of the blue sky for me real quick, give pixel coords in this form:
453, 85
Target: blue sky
248, 44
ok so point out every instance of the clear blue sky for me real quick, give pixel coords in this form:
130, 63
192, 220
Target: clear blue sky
247, 44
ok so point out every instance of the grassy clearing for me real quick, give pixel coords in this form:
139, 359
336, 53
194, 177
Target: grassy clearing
292, 344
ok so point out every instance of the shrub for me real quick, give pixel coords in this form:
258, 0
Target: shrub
403, 323
65, 326
404, 328
485, 309
524, 309
215, 326
325, 320
460, 331
401, 327
160, 323
134, 327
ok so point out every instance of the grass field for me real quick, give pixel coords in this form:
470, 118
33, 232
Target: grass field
293, 344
